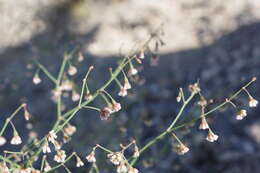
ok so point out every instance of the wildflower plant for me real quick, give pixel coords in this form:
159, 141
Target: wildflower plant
24, 161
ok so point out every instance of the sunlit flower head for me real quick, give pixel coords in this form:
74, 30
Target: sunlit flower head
91, 157
36, 79
16, 140
241, 114
122, 168
46, 148
116, 157
252, 102
70, 130
52, 136
79, 162
211, 136
132, 71
122, 92
133, 170
203, 124
181, 149
72, 70
60, 156
116, 106
2, 140
105, 113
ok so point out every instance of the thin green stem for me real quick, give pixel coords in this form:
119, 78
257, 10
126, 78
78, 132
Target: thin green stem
96, 168
176, 137
181, 110
182, 95
159, 137
9, 161
84, 85
71, 113
91, 107
47, 73
104, 149
10, 118
105, 98
62, 68
117, 81
66, 168
42, 162
13, 152
58, 85
111, 98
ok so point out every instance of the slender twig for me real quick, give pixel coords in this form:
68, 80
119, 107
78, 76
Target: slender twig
71, 113
47, 73
91, 107
9, 161
103, 148
7, 121
159, 137
84, 85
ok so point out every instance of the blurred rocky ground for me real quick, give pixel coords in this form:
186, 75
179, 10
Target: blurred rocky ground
214, 41
122, 23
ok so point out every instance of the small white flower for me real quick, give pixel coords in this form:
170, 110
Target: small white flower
16, 140
91, 157
67, 85
72, 70
105, 113
122, 168
60, 156
136, 152
116, 106
88, 97
36, 79
52, 136
116, 158
4, 168
70, 130
211, 136
181, 149
204, 124
178, 98
132, 71
66, 138
127, 85
133, 170
75, 96
2, 140
56, 93
194, 88
57, 145
80, 57
122, 92
79, 162
46, 148
252, 102
202, 102
27, 115
241, 114
141, 55
35, 171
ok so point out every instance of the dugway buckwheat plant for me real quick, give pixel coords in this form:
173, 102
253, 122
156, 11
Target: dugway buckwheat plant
49, 149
